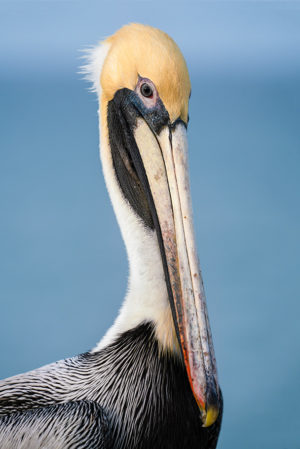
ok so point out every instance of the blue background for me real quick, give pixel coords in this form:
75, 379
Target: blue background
63, 268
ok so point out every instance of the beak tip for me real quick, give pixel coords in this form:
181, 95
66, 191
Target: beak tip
210, 416
210, 404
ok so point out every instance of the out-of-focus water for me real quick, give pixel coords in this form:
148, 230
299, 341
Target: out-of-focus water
63, 264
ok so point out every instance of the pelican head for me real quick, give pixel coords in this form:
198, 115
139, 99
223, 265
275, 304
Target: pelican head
143, 86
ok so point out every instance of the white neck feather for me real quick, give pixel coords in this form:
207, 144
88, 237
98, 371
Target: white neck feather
147, 298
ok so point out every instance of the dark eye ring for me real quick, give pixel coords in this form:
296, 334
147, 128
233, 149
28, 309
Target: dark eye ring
146, 90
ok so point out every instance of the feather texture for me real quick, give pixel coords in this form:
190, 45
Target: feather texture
144, 394
75, 425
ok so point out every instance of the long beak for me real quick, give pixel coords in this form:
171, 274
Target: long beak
164, 157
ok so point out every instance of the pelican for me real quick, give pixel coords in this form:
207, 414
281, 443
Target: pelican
152, 381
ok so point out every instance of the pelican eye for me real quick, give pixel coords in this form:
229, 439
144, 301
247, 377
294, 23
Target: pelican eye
146, 90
